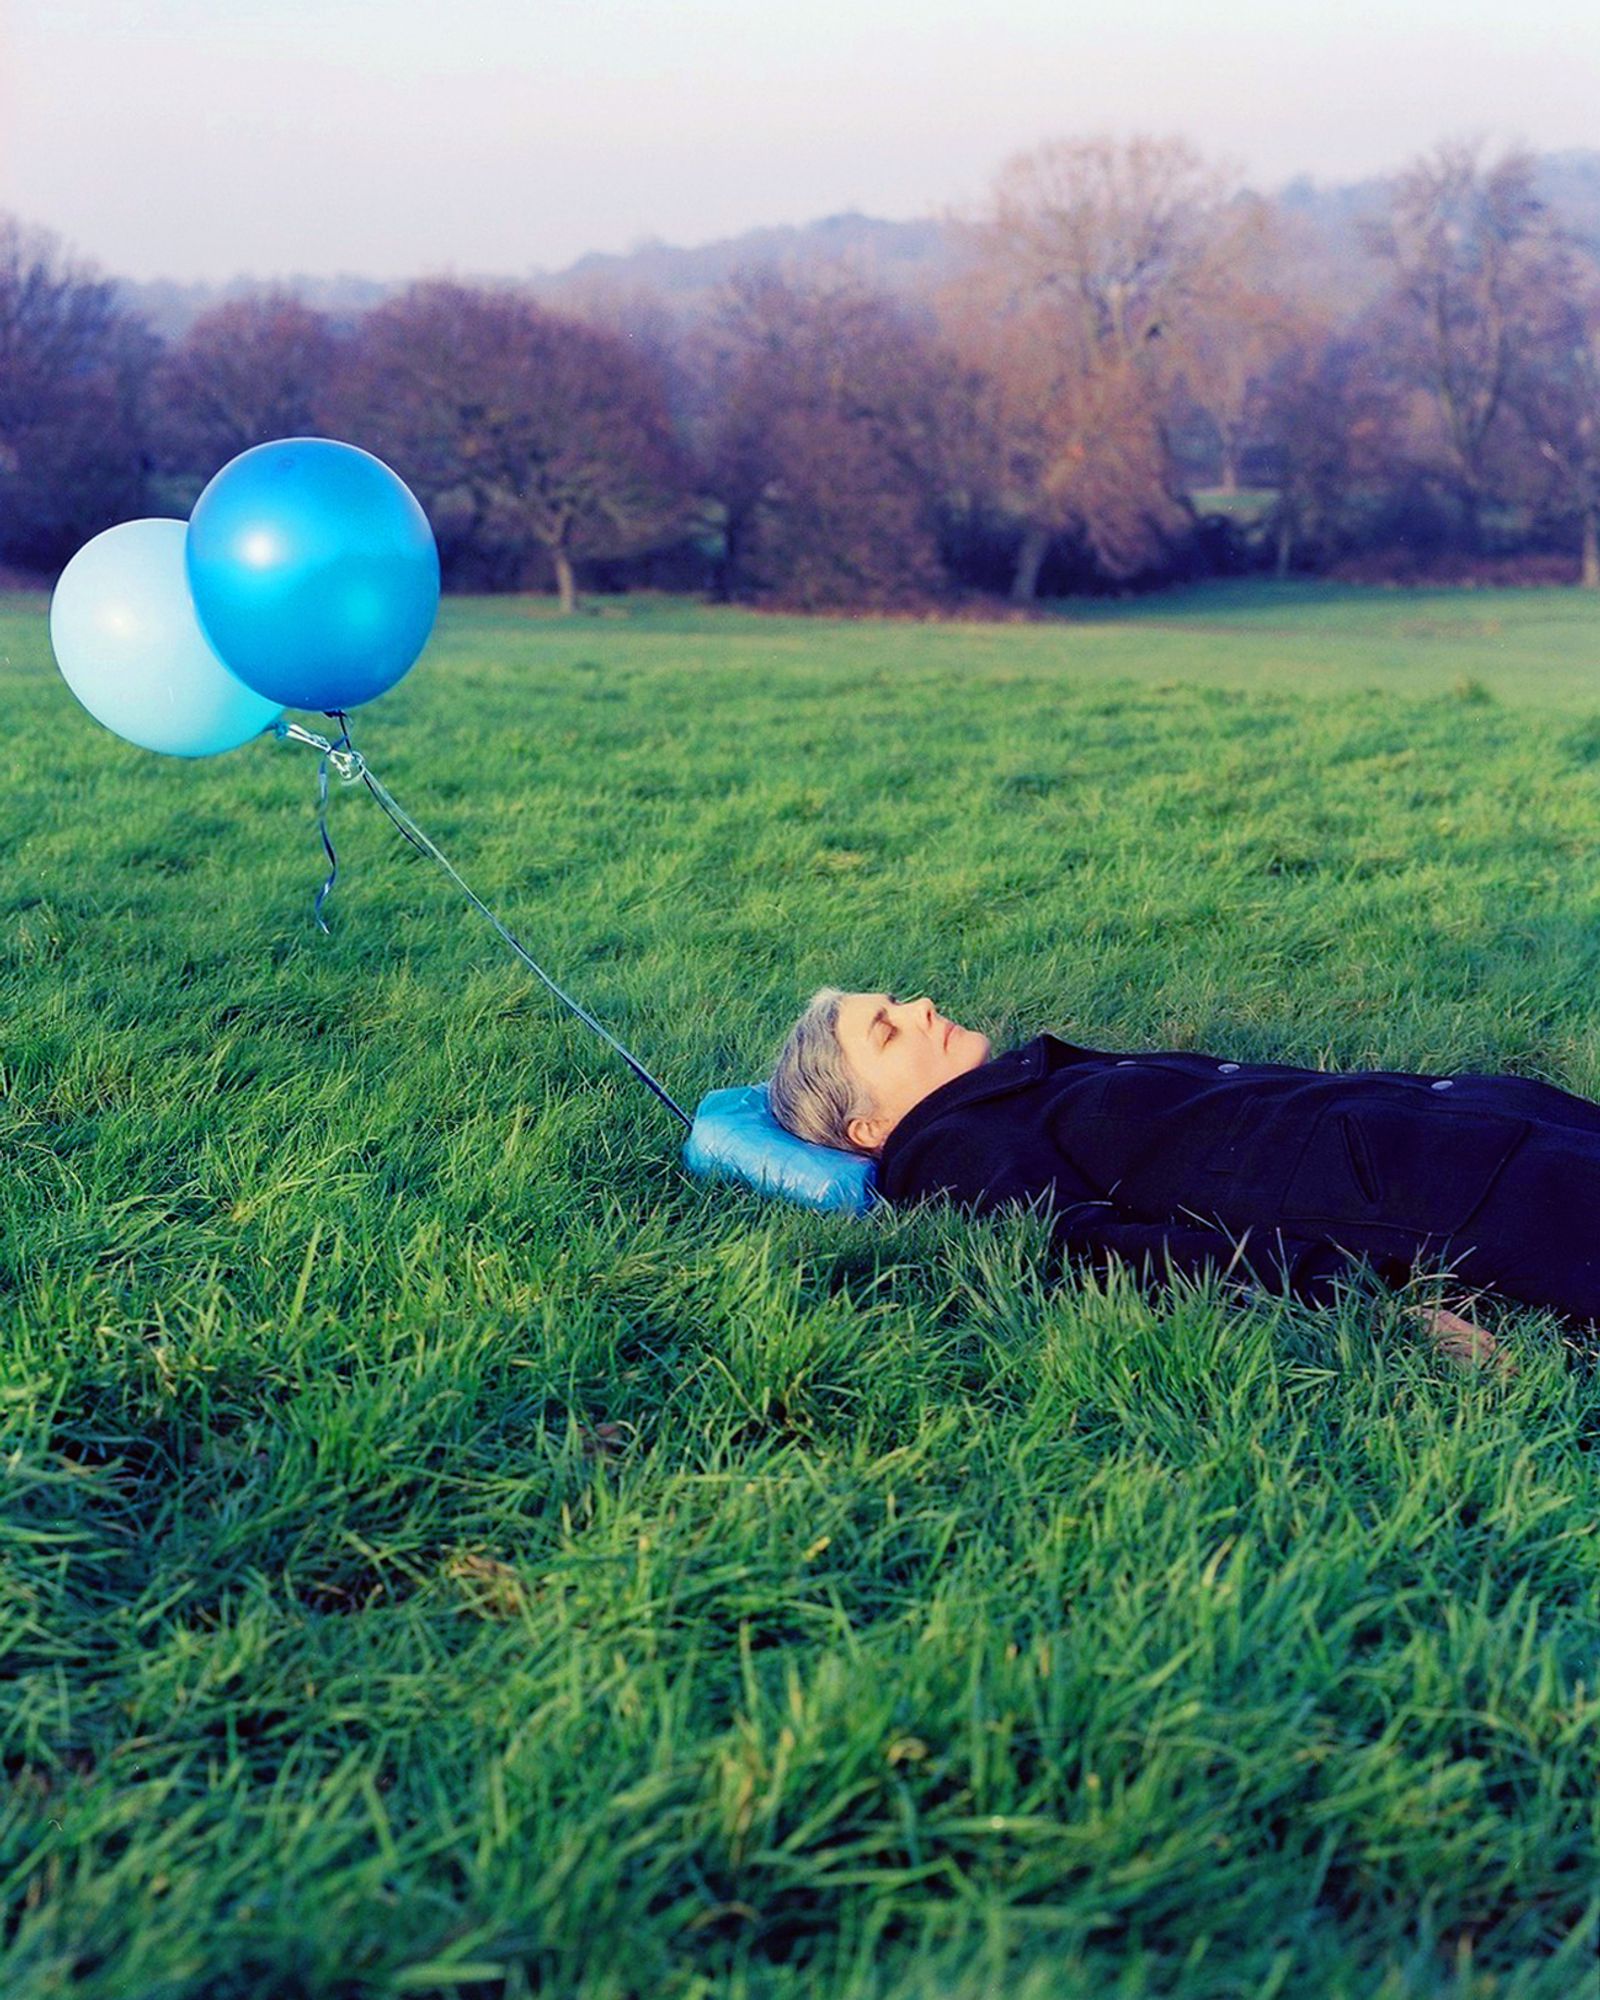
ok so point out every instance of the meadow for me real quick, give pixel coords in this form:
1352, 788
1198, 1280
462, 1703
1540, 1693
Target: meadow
446, 1550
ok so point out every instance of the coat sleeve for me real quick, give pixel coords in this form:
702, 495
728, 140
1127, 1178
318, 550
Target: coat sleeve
1307, 1268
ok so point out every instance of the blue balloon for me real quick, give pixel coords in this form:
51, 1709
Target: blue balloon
126, 638
314, 572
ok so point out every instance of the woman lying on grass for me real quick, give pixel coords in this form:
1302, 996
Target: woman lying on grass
1277, 1177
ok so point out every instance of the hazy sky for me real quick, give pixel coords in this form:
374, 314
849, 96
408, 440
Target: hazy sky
200, 138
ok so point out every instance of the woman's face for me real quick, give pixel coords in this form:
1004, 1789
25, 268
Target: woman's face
900, 1051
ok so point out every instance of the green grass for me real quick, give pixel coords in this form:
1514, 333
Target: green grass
446, 1551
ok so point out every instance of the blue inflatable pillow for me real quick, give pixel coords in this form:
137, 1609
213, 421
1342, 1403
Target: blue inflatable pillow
736, 1137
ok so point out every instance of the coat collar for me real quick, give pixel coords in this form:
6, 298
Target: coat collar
1016, 1069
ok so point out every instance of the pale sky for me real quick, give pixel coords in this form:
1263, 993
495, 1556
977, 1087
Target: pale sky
390, 138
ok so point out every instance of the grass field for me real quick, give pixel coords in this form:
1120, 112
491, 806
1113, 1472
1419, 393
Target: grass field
446, 1551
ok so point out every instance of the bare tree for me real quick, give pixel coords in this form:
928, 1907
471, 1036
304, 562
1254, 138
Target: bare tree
1250, 316
1327, 420
1088, 272
521, 430
1554, 387
72, 362
249, 370
1469, 246
823, 427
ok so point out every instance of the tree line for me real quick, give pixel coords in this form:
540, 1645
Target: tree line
1131, 372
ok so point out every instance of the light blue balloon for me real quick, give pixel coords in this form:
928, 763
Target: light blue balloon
314, 571
127, 640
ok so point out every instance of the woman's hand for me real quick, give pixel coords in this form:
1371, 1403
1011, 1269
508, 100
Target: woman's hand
1467, 1345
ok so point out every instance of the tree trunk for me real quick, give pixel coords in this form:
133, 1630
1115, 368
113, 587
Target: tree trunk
1472, 520
1590, 577
729, 573
566, 585
1030, 560
1285, 543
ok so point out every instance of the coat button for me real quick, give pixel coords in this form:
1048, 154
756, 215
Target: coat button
1227, 1066
1444, 1083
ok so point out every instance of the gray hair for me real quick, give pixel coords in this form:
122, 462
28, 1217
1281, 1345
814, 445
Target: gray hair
813, 1091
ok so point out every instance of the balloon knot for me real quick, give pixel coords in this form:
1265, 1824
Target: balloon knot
348, 762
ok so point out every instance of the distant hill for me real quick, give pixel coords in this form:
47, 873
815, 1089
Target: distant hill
894, 256
890, 253
172, 308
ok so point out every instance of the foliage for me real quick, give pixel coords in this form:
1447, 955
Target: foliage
444, 1551
1554, 388
247, 372
1114, 331
1092, 265
71, 361
1470, 248
523, 432
826, 416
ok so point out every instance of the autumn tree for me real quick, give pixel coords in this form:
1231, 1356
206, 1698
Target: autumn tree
72, 362
823, 427
1327, 425
522, 431
1248, 318
1087, 273
247, 371
1469, 249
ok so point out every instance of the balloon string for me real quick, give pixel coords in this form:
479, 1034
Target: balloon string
346, 759
352, 769
333, 860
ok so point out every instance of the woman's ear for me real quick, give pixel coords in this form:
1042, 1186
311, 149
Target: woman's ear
866, 1134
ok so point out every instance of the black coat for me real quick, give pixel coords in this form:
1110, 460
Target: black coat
1275, 1175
